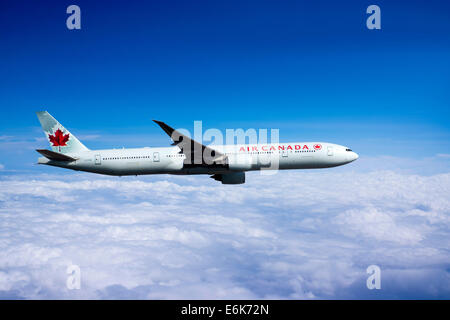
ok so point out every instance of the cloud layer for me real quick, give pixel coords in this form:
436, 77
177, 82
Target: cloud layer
295, 235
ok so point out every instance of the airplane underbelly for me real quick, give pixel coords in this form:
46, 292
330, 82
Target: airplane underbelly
299, 161
167, 166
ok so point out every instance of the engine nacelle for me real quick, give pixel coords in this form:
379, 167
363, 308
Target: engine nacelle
230, 178
240, 163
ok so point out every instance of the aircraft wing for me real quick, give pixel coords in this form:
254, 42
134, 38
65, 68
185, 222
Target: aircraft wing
195, 152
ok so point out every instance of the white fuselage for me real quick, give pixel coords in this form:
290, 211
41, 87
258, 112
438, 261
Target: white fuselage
140, 161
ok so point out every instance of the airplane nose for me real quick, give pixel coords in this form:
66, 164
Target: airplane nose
354, 156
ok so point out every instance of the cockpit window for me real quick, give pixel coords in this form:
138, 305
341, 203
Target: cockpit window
348, 149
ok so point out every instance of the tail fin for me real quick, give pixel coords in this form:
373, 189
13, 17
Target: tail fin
60, 139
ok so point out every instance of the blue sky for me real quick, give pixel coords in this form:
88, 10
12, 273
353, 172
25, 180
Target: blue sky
313, 70
309, 68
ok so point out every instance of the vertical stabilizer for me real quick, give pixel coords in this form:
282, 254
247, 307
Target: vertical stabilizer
60, 139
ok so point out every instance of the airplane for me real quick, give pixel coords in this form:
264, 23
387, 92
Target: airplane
224, 163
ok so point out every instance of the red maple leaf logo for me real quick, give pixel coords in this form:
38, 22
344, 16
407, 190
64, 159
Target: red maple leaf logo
59, 139
317, 146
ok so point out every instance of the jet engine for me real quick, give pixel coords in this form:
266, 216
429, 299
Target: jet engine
230, 178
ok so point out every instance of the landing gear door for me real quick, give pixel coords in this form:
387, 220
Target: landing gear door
330, 151
155, 156
98, 159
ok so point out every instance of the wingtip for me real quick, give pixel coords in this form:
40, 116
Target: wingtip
160, 123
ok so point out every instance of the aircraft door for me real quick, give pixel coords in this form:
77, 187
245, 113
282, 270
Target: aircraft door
284, 153
330, 151
98, 159
155, 156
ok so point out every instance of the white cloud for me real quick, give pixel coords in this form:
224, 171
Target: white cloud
443, 155
376, 224
298, 234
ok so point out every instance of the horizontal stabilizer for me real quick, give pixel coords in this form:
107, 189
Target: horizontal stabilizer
55, 155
